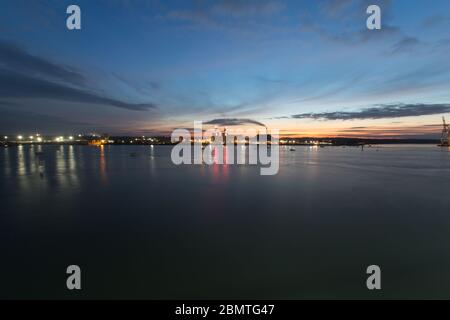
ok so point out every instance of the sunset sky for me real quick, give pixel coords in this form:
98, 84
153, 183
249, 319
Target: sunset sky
308, 68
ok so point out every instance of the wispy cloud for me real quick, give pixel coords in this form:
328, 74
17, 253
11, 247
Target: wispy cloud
348, 22
379, 112
23, 75
408, 131
210, 12
436, 20
335, 7
240, 17
406, 45
15, 85
13, 57
250, 8
234, 122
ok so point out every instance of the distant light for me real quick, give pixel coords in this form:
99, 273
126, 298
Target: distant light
6, 137
31, 137
39, 139
70, 138
19, 137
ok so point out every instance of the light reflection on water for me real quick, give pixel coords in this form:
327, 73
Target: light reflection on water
214, 231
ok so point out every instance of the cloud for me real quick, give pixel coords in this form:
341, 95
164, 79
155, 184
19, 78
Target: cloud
335, 7
410, 132
436, 20
234, 122
13, 57
344, 22
349, 37
239, 8
23, 75
443, 43
405, 45
225, 14
16, 85
380, 112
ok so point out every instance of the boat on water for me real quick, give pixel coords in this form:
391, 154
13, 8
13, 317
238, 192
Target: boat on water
292, 149
445, 133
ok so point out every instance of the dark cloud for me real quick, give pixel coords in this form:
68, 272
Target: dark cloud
143, 87
23, 75
16, 85
234, 122
406, 45
380, 112
217, 14
271, 80
436, 20
409, 132
337, 6
239, 8
15, 58
443, 43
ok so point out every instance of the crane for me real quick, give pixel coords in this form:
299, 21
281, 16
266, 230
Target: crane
444, 138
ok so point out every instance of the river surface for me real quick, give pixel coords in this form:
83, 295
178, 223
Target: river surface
141, 227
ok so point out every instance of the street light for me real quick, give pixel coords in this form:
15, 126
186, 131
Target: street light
19, 137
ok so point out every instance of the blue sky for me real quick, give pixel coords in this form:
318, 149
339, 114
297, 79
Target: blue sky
146, 67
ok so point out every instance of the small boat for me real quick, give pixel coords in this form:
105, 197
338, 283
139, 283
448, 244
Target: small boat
292, 149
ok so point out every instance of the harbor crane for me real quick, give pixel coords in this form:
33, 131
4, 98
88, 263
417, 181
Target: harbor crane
444, 138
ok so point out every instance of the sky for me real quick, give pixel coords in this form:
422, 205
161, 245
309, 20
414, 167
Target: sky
147, 67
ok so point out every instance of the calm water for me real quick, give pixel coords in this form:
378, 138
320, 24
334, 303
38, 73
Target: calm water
140, 227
